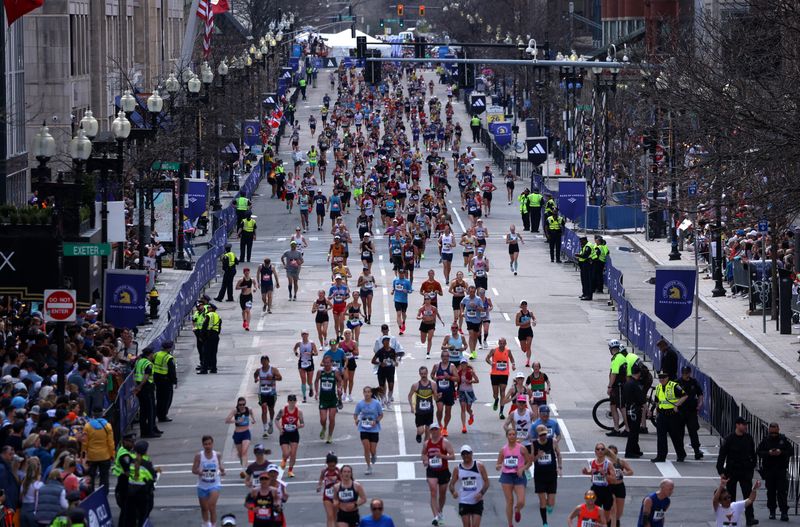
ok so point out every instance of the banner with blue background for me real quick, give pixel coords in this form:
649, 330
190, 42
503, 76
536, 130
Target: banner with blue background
196, 196
251, 130
674, 294
125, 297
572, 198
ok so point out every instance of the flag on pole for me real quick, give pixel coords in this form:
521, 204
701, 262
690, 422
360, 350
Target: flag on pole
220, 6
205, 12
17, 8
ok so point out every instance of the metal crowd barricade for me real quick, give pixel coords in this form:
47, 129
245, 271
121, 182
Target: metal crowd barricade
741, 278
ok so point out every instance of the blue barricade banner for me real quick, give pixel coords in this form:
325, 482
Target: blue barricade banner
572, 198
128, 402
570, 243
633, 325
125, 297
674, 294
297, 50
98, 512
251, 131
196, 197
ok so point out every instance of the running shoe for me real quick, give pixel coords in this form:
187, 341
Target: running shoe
527, 364
463, 429
265, 434
428, 355
517, 515
368, 472
269, 430
263, 308
321, 434
329, 440
310, 391
471, 419
374, 458
305, 400
290, 474
494, 406
502, 416
435, 520
419, 438
473, 355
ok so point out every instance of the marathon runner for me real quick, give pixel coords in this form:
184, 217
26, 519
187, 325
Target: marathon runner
499, 359
436, 453
208, 467
267, 377
367, 416
427, 315
547, 469
472, 480
421, 398
525, 320
328, 391
466, 395
269, 279
446, 376
348, 496
290, 421
386, 361
241, 417
305, 351
351, 352
328, 478
246, 285
513, 462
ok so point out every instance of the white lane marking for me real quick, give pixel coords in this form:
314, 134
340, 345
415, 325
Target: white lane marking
505, 316
567, 437
313, 239
405, 470
494, 290
281, 239
398, 417
458, 217
385, 296
668, 470
261, 323
256, 341
553, 409
516, 339
252, 360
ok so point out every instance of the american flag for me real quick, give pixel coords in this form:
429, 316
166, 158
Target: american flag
206, 13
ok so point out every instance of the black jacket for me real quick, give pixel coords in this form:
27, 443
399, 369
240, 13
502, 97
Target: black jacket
777, 463
632, 393
737, 455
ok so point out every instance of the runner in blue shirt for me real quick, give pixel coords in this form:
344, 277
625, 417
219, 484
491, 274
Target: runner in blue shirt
335, 206
553, 430
367, 417
336, 353
401, 287
377, 518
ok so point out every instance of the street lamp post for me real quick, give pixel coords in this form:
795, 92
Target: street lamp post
718, 262
121, 129
44, 148
222, 71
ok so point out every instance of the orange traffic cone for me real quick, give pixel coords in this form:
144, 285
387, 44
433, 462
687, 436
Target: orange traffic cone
558, 170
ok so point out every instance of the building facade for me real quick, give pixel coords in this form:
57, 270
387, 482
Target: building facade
13, 156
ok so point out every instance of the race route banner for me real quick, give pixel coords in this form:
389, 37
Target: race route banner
95, 506
196, 197
125, 297
572, 198
674, 294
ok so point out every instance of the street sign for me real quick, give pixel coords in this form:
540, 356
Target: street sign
763, 225
477, 104
537, 150
658, 157
59, 305
692, 188
87, 249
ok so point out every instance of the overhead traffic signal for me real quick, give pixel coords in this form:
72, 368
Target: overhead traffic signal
401, 23
422, 10
382, 22
400, 9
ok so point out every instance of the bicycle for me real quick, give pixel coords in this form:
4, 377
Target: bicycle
601, 412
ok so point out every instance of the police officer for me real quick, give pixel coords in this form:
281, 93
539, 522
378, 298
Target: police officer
166, 380
229, 262
670, 397
601, 252
523, 209
584, 258
198, 319
211, 328
121, 488
141, 485
691, 407
555, 226
247, 234
737, 461
633, 397
145, 391
775, 452
302, 83
535, 209
475, 126
242, 207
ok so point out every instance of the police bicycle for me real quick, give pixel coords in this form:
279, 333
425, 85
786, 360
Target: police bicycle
601, 413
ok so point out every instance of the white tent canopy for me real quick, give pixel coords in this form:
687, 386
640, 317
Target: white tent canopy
341, 43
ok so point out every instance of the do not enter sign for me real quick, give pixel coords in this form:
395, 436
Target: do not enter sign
59, 305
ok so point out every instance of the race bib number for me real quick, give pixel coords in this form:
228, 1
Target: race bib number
472, 313
658, 515
366, 254
444, 384
346, 495
248, 304
538, 394
267, 389
264, 512
388, 363
329, 493
510, 462
469, 484
588, 523
618, 473
425, 405
501, 365
435, 462
480, 272
348, 355
209, 475
289, 427
598, 478
367, 422
326, 385
321, 307
305, 363
545, 459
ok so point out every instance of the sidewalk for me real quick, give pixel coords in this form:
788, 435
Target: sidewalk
780, 351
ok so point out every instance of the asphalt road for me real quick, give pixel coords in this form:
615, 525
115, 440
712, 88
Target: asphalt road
569, 341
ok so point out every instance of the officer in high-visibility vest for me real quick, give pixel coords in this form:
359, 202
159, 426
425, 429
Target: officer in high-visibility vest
549, 207
121, 488
670, 396
535, 209
554, 229
211, 328
247, 234
198, 319
229, 262
302, 84
242, 205
601, 250
584, 258
475, 126
523, 209
146, 392
141, 484
165, 376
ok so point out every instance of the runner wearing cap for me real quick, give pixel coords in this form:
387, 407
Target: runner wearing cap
367, 251
525, 320
520, 419
446, 375
351, 352
458, 288
587, 513
517, 388
401, 287
553, 428
547, 468
254, 469
263, 502
320, 308
479, 267
283, 495
436, 452
539, 385
338, 294
466, 396
290, 421
447, 241
305, 351
348, 496
367, 417
473, 482
602, 475
454, 344
328, 478
513, 462
471, 310
354, 321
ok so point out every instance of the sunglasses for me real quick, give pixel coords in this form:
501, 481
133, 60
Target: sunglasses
377, 508
600, 449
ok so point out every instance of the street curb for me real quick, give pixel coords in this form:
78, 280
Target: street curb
776, 363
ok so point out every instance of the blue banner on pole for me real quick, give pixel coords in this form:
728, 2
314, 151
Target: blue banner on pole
125, 297
251, 131
98, 512
674, 295
297, 50
572, 198
196, 196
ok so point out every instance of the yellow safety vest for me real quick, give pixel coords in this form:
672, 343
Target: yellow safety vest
475, 121
140, 370
302, 83
593, 247
161, 361
279, 169
554, 223
214, 321
312, 156
248, 225
198, 318
535, 200
549, 206
603, 252
145, 476
231, 259
666, 395
580, 256
241, 203
116, 469
523, 204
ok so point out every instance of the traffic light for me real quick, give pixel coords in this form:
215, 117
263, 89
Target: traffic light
382, 23
401, 23
400, 9
422, 10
